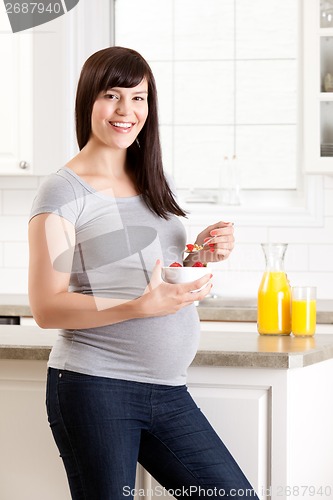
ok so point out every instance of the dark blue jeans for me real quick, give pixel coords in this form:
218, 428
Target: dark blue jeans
103, 426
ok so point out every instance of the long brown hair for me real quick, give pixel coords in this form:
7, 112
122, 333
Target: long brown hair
123, 67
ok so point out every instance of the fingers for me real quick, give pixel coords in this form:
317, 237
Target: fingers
224, 234
211, 244
195, 295
220, 225
223, 253
224, 240
166, 298
194, 285
189, 289
224, 229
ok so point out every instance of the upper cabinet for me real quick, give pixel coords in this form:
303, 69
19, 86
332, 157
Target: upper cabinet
15, 100
53, 107
318, 86
39, 73
34, 79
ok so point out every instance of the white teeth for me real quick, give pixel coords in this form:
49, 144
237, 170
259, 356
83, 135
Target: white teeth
121, 124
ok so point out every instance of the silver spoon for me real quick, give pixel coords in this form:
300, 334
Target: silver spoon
198, 248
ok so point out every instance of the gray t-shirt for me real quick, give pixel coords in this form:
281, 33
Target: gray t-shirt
118, 241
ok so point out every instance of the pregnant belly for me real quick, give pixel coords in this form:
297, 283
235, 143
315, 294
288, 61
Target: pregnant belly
155, 350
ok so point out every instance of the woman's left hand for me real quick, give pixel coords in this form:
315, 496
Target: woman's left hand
220, 248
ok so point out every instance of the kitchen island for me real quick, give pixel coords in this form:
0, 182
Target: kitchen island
270, 399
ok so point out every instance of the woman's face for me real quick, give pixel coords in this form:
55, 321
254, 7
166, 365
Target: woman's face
119, 114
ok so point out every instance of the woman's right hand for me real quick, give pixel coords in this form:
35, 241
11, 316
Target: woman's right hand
161, 298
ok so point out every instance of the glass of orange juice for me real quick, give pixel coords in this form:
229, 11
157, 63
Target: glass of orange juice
303, 311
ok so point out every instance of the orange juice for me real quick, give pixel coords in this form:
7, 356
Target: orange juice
303, 317
274, 304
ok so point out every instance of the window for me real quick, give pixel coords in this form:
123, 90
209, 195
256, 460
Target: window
227, 75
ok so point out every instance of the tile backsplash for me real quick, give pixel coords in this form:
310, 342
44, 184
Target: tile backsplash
308, 257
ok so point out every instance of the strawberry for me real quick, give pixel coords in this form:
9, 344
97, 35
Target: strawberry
198, 264
175, 264
190, 247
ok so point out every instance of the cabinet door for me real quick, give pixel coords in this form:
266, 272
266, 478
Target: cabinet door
39, 72
30, 466
59, 49
318, 86
53, 111
15, 100
241, 415
35, 77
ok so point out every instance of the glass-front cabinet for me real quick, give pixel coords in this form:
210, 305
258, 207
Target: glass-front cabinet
318, 86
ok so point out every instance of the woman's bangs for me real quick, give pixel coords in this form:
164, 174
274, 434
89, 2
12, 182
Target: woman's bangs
128, 75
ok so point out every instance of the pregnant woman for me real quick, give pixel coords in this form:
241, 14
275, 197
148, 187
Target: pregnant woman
100, 230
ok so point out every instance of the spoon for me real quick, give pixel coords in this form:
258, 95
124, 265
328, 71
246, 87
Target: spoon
198, 248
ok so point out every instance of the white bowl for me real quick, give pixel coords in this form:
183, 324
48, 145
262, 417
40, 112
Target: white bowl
176, 275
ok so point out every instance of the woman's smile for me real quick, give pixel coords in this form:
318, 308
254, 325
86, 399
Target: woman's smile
122, 127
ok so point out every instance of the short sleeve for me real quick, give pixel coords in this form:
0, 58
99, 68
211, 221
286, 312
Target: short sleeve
56, 195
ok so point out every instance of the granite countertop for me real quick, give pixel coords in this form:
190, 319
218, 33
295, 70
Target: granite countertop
14, 305
250, 350
212, 309
234, 349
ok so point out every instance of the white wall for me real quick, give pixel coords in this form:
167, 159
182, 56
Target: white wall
16, 195
309, 258
308, 261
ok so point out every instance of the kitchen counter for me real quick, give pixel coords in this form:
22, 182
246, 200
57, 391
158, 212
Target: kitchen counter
234, 349
263, 395
14, 305
211, 309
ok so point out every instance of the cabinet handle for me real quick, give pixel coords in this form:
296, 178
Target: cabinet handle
24, 165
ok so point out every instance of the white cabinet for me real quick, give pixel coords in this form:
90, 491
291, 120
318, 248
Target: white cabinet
274, 422
53, 116
240, 414
277, 423
318, 86
30, 467
35, 78
39, 73
15, 100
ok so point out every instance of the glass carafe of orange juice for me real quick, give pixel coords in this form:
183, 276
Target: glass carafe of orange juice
274, 294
